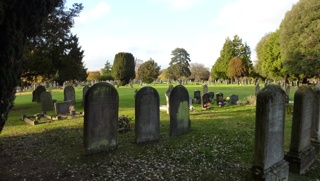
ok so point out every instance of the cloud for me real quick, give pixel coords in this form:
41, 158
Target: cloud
101, 9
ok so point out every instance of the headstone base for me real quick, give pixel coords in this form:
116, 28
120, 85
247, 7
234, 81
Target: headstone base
300, 162
279, 171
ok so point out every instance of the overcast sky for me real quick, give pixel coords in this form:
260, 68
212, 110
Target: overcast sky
153, 28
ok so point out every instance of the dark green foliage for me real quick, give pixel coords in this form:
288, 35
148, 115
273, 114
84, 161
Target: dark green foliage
56, 49
299, 39
123, 67
149, 71
179, 64
106, 72
19, 19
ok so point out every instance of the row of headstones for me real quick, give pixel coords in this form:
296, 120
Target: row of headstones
269, 161
101, 116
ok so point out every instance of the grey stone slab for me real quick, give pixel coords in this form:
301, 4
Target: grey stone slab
62, 108
69, 94
46, 101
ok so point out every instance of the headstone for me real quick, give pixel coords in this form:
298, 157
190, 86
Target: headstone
301, 154
315, 134
69, 94
36, 93
205, 101
234, 99
101, 107
257, 89
46, 101
287, 89
197, 97
205, 88
220, 101
62, 108
84, 92
211, 96
179, 111
167, 97
147, 114
268, 159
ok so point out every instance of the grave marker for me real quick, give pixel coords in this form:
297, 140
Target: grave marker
315, 134
234, 99
36, 93
69, 94
46, 101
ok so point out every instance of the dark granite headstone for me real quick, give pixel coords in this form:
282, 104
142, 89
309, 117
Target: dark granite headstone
197, 97
62, 107
234, 99
36, 93
46, 101
69, 94
101, 107
147, 114
211, 96
220, 101
179, 111
268, 159
301, 154
205, 101
84, 92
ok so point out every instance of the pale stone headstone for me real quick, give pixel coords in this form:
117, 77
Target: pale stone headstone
36, 93
84, 92
301, 154
179, 111
46, 101
69, 94
147, 114
205, 88
315, 133
167, 96
257, 89
101, 107
234, 99
268, 159
62, 108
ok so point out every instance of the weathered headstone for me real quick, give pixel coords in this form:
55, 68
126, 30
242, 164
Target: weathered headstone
101, 107
197, 97
268, 160
167, 97
69, 94
36, 93
220, 101
84, 92
147, 114
301, 154
257, 89
62, 108
46, 101
234, 99
211, 96
205, 88
179, 111
205, 101
315, 134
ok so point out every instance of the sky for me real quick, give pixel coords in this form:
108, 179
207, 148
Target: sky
154, 28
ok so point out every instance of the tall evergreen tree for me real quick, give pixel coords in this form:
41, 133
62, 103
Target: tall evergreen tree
179, 64
19, 19
106, 72
123, 67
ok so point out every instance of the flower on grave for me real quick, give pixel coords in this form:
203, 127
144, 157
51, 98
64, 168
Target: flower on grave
192, 108
227, 98
220, 103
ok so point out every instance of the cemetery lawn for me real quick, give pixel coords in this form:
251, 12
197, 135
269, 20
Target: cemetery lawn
219, 146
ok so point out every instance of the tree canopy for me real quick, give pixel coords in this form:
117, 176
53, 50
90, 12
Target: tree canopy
199, 72
19, 19
179, 64
106, 72
149, 71
123, 67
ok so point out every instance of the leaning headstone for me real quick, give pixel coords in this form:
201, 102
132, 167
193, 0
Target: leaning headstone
268, 159
101, 107
167, 97
257, 89
46, 101
234, 99
315, 134
62, 108
197, 97
205, 88
147, 114
301, 154
84, 92
179, 111
69, 94
36, 93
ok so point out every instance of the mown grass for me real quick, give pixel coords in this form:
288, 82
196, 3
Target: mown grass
219, 147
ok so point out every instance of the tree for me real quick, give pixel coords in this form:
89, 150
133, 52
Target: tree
56, 48
199, 72
149, 71
19, 19
179, 64
138, 63
123, 67
236, 68
106, 72
93, 75
299, 39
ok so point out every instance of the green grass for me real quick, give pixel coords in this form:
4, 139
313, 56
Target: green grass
219, 147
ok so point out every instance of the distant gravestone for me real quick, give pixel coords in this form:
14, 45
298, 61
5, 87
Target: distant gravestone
101, 107
205, 101
167, 96
205, 88
69, 94
220, 101
257, 89
84, 92
46, 101
36, 93
147, 114
211, 96
179, 111
301, 154
197, 97
268, 159
62, 108
315, 134
234, 99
